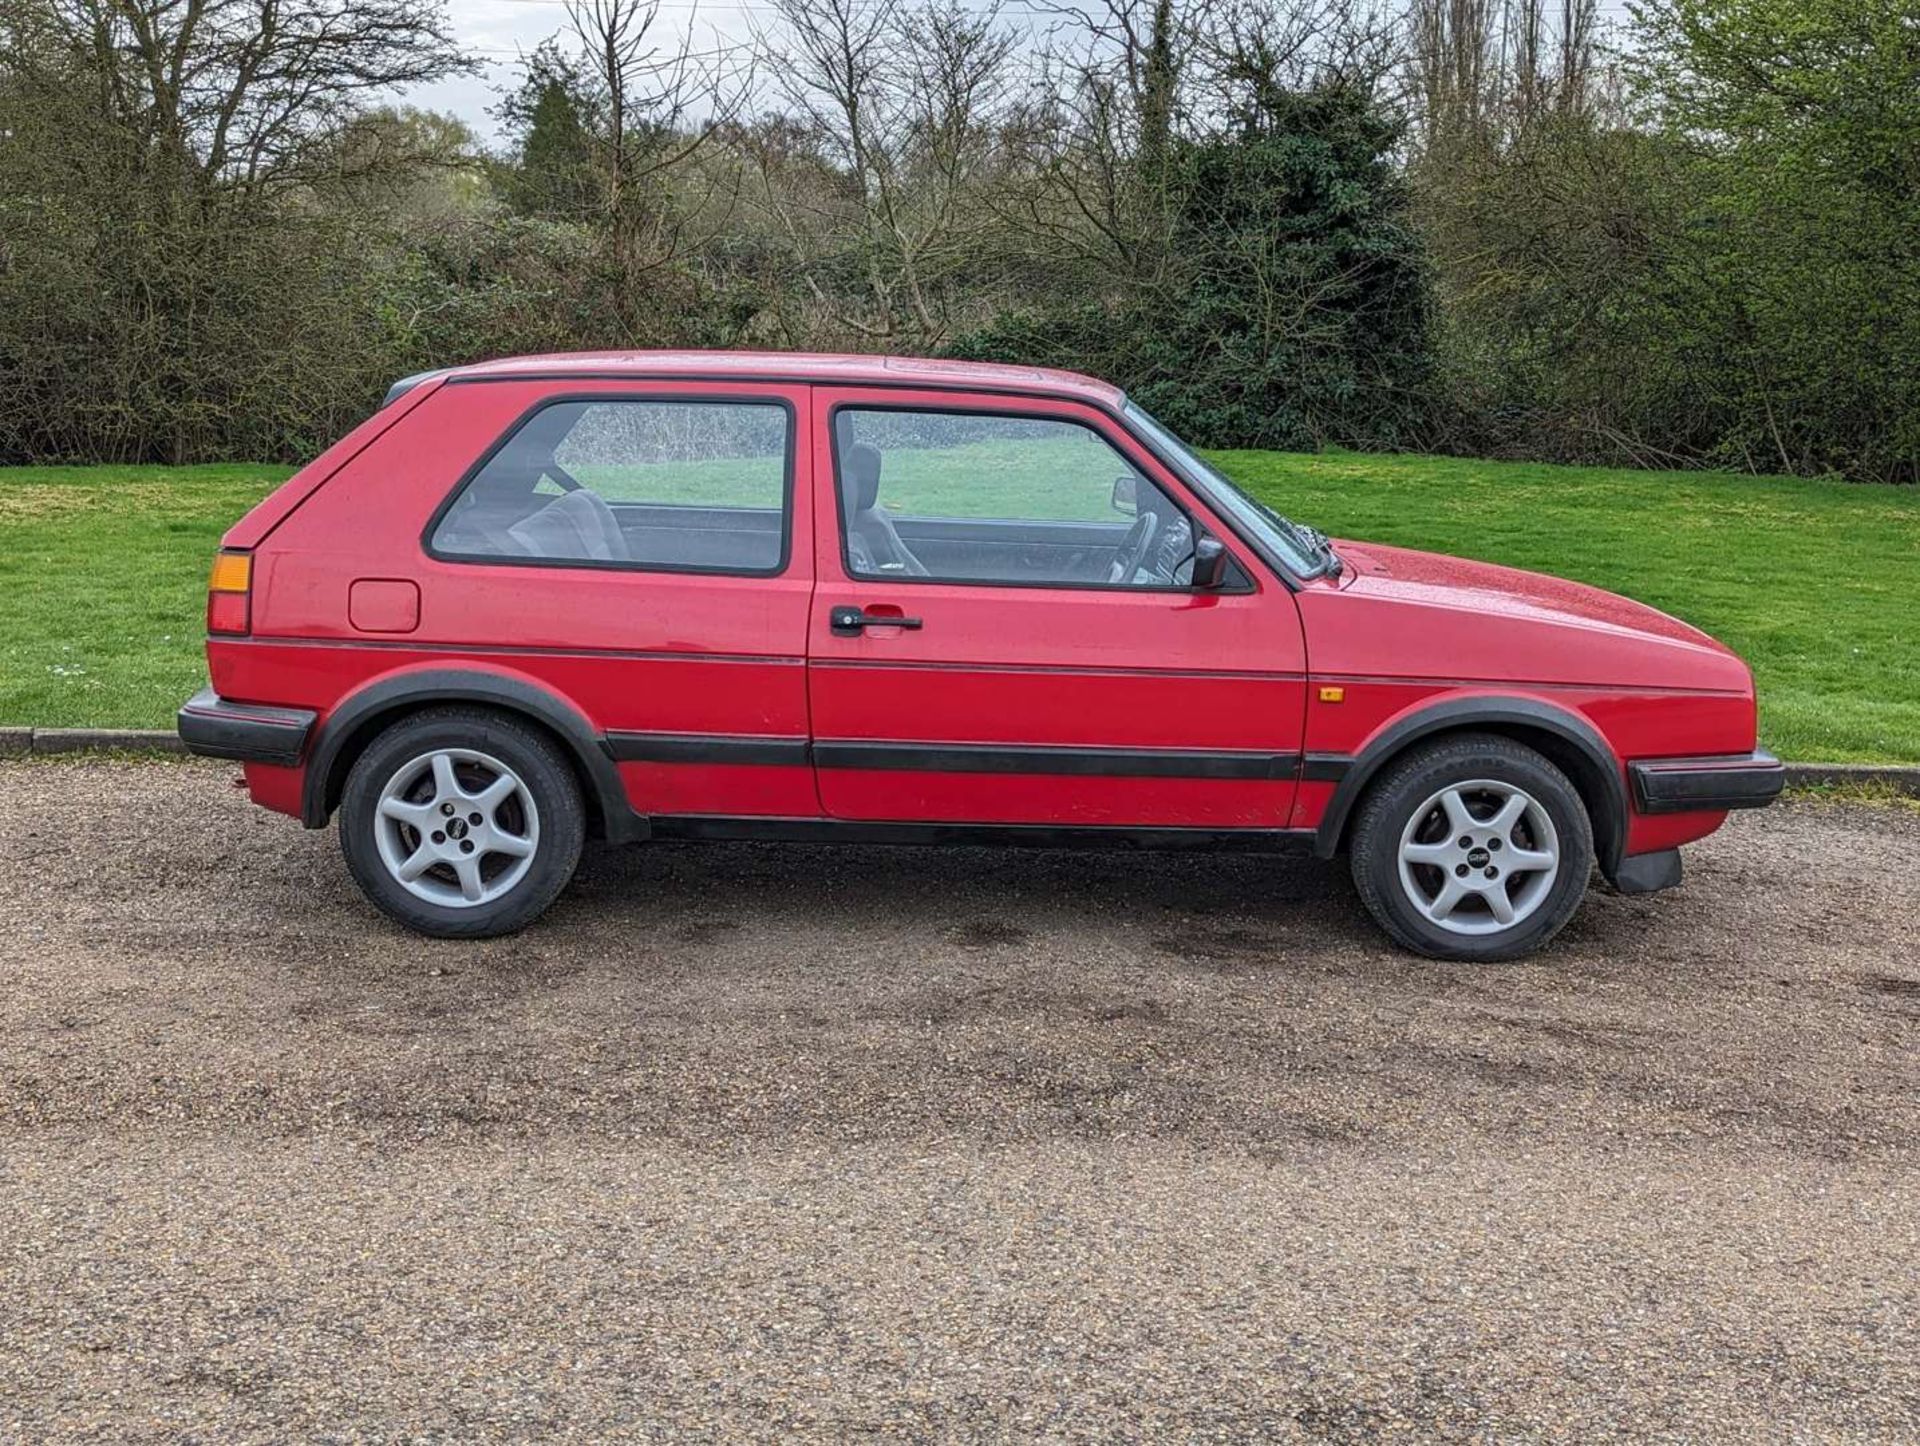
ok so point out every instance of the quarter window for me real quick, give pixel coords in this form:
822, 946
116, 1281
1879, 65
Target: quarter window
971, 497
670, 485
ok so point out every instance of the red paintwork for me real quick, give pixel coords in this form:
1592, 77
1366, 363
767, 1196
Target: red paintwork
1499, 622
682, 653
1405, 629
383, 605
1038, 665
632, 651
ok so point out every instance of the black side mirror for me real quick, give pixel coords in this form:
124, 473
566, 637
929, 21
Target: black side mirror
1209, 564
1126, 495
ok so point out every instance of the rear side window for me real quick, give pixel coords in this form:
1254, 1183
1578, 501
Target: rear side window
675, 486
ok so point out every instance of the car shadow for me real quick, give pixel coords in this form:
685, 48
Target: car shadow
982, 893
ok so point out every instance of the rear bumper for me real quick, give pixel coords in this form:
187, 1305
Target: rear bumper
251, 732
1700, 785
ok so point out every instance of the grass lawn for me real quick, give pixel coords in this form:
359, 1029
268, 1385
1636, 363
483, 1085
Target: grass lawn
103, 587
1815, 584
103, 572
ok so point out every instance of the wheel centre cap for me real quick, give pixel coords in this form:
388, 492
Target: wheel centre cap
1478, 858
457, 828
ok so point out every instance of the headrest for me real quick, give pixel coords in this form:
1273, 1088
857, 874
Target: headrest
862, 467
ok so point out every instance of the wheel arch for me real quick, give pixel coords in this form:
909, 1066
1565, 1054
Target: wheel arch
1564, 738
347, 729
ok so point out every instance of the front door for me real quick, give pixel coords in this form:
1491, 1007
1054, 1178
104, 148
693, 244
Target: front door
1004, 631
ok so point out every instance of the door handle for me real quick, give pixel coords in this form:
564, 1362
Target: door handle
846, 622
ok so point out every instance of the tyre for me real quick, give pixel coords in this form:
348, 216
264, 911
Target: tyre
1474, 847
461, 823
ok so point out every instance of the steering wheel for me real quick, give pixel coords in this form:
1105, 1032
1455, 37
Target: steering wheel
1174, 552
1134, 547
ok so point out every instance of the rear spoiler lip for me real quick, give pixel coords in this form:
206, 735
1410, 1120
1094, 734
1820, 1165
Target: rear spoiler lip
406, 384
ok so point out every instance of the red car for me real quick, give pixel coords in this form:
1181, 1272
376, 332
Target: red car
738, 596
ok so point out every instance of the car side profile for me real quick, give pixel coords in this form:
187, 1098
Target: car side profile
644, 596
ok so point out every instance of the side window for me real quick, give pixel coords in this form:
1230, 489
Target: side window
972, 497
677, 486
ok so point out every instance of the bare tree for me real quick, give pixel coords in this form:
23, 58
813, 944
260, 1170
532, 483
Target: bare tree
1144, 46
1579, 22
831, 58
954, 99
181, 182
1453, 64
231, 95
1485, 74
906, 105
660, 103
1129, 78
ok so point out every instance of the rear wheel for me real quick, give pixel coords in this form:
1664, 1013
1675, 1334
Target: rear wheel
1474, 847
461, 823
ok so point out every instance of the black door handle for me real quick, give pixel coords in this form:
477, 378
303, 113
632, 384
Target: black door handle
846, 622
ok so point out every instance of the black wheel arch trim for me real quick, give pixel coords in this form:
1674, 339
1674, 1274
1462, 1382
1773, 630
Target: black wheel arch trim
1602, 768
432, 687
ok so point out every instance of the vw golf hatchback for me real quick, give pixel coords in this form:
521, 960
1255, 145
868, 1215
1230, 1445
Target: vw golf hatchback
733, 596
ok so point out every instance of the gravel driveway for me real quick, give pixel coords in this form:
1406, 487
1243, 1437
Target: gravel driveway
835, 1143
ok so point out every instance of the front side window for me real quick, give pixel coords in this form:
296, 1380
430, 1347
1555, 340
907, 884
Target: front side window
1302, 549
970, 497
694, 486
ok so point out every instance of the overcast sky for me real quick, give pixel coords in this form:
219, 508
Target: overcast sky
496, 33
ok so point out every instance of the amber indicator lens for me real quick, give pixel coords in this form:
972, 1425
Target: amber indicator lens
232, 572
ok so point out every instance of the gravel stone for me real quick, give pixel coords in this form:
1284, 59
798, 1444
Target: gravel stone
803, 1143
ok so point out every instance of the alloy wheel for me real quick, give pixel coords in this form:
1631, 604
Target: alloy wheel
1478, 857
456, 827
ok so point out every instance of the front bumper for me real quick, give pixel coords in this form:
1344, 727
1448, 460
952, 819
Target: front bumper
251, 732
1701, 785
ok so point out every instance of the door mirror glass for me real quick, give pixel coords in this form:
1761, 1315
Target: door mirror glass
1126, 495
1209, 564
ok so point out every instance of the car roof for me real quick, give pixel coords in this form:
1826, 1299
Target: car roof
896, 371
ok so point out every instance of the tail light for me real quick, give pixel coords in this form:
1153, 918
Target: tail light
230, 593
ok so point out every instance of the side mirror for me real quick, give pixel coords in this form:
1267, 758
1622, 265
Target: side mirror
1209, 564
1126, 497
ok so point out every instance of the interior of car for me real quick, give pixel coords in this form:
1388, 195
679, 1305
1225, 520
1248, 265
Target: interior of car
1147, 542
525, 502
1153, 548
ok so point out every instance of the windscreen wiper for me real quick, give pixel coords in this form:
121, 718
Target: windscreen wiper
1317, 542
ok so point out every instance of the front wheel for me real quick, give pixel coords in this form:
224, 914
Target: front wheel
461, 823
1474, 848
